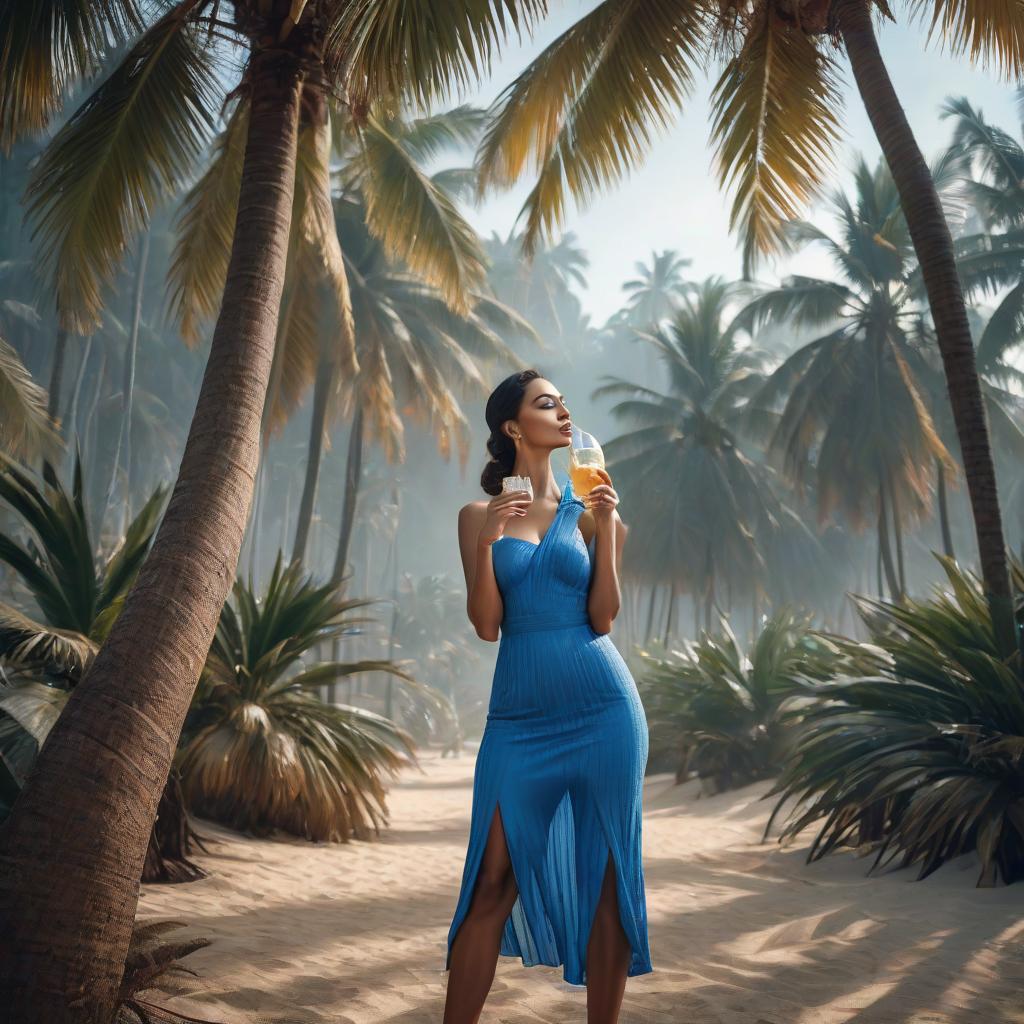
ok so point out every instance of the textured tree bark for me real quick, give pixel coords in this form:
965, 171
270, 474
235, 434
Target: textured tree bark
934, 248
72, 852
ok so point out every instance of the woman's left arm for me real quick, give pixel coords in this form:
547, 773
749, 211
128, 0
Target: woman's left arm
604, 598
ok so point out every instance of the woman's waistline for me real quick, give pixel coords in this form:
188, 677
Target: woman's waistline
543, 621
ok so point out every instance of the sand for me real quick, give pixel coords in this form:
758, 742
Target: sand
741, 931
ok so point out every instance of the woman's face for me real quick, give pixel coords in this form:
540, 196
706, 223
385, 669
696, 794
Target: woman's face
543, 420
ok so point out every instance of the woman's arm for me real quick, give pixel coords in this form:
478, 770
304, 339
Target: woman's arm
605, 599
483, 601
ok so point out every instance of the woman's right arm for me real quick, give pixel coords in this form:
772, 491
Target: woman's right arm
479, 526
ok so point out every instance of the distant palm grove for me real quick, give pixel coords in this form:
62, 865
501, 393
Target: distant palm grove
246, 321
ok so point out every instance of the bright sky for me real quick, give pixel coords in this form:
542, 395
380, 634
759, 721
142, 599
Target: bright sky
673, 201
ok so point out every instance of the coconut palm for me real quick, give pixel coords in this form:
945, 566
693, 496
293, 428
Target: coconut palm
652, 296
135, 140
916, 746
260, 751
585, 113
703, 496
993, 259
419, 346
1003, 407
854, 415
418, 358
541, 289
719, 709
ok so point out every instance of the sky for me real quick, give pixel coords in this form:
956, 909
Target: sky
673, 200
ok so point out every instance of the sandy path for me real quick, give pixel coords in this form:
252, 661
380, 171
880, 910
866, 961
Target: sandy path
741, 932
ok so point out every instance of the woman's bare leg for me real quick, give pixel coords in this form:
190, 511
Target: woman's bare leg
608, 955
477, 943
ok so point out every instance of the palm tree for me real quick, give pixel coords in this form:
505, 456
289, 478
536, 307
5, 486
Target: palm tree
418, 358
585, 110
655, 292
541, 289
652, 297
854, 416
703, 497
420, 340
293, 762
73, 848
993, 259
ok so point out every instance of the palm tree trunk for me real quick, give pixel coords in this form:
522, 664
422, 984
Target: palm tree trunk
396, 497
57, 375
933, 245
670, 615
884, 550
940, 487
353, 470
76, 394
321, 389
127, 392
256, 515
897, 532
72, 850
650, 612
130, 376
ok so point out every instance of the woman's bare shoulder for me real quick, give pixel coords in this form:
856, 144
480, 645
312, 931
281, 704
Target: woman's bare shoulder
472, 514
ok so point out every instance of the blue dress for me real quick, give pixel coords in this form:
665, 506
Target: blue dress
563, 754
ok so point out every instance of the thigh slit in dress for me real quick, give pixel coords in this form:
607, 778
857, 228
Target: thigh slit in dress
563, 755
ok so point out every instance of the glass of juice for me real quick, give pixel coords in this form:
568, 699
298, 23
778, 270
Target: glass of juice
586, 463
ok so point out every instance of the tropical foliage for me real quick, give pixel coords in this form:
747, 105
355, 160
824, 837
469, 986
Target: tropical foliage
848, 410
711, 512
260, 750
915, 749
720, 709
77, 597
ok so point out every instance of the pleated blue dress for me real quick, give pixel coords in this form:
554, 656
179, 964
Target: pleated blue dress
563, 755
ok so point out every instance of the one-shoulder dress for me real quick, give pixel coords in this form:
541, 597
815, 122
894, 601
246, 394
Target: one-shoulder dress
563, 755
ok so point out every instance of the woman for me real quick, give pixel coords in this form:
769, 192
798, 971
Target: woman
553, 870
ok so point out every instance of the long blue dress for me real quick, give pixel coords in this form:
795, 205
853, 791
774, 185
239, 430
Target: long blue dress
563, 754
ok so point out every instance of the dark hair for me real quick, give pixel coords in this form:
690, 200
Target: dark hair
503, 404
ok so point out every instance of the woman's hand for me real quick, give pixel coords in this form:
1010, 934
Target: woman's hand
500, 509
601, 501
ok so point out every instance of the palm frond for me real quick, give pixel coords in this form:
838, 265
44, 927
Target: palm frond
45, 46
991, 34
417, 222
799, 302
775, 123
426, 49
205, 227
129, 147
30, 646
26, 430
586, 109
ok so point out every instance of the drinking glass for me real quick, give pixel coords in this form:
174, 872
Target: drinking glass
586, 463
